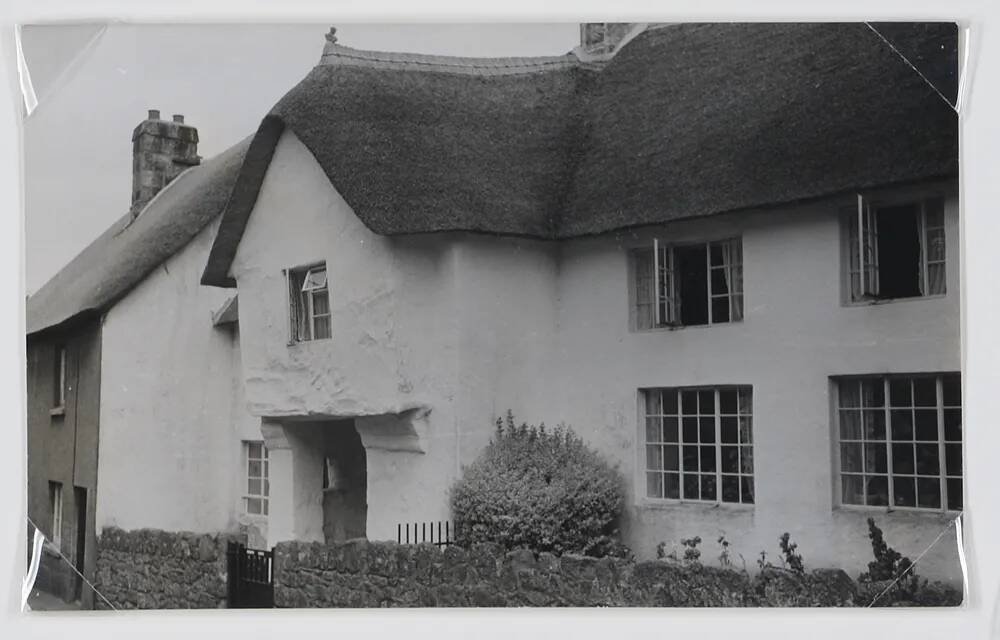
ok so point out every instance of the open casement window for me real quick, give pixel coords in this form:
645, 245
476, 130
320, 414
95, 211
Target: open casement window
691, 284
309, 304
896, 251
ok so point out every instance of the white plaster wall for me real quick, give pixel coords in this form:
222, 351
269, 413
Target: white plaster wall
795, 336
468, 327
171, 419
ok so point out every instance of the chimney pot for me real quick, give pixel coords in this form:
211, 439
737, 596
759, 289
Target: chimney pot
179, 118
154, 114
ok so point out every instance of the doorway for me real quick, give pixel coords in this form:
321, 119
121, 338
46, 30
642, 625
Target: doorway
345, 483
80, 551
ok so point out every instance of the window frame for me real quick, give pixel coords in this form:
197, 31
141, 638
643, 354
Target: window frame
56, 508
664, 296
867, 208
264, 478
299, 301
642, 467
887, 407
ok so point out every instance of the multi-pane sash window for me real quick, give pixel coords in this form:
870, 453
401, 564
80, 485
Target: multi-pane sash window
896, 251
683, 285
258, 486
309, 303
900, 441
699, 444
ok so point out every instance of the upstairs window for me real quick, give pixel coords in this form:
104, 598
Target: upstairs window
309, 303
690, 284
59, 379
56, 508
900, 441
258, 486
896, 251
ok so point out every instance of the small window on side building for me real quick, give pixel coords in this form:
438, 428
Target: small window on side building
258, 486
59, 379
56, 508
309, 304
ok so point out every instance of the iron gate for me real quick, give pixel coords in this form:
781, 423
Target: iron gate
250, 577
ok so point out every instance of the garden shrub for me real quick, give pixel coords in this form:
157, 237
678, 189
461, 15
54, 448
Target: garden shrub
544, 490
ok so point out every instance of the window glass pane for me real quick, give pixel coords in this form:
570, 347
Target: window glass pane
689, 402
852, 490
267, 487
254, 469
708, 487
690, 429
934, 211
746, 401
952, 387
671, 459
654, 430
672, 486
902, 458
926, 424
730, 430
730, 460
746, 460
850, 424
708, 459
902, 424
877, 490
906, 491
253, 486
872, 393
253, 505
715, 250
654, 485
746, 489
935, 244
314, 279
746, 432
706, 402
670, 429
719, 282
690, 458
927, 459
928, 493
955, 494
669, 406
874, 424
253, 449
707, 430
936, 278
900, 392
953, 459
653, 403
691, 486
654, 457
265, 506
730, 489
953, 424
850, 393
727, 402
925, 392
720, 310
322, 329
850, 457
321, 303
875, 458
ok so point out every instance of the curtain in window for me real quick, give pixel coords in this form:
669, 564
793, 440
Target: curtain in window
644, 292
732, 257
933, 247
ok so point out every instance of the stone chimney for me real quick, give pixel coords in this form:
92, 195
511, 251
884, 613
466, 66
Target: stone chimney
603, 38
161, 150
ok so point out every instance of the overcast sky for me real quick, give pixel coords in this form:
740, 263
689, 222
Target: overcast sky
95, 83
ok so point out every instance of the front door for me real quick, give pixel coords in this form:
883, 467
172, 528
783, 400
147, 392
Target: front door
345, 484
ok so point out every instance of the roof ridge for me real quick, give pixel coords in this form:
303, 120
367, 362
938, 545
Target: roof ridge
336, 54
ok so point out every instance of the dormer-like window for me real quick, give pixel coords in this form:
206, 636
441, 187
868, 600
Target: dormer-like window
309, 303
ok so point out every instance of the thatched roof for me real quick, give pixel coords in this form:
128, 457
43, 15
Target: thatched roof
130, 249
686, 120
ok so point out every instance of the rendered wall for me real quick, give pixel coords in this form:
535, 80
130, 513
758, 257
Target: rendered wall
464, 328
171, 416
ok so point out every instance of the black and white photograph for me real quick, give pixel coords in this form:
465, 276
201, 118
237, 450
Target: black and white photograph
599, 314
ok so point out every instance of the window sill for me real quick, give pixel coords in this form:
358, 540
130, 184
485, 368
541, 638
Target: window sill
899, 512
668, 505
880, 301
57, 411
297, 343
680, 327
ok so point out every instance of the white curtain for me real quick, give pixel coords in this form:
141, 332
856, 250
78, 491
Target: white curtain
732, 258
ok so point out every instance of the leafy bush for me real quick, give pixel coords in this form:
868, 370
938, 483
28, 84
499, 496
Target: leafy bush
544, 490
792, 560
890, 565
